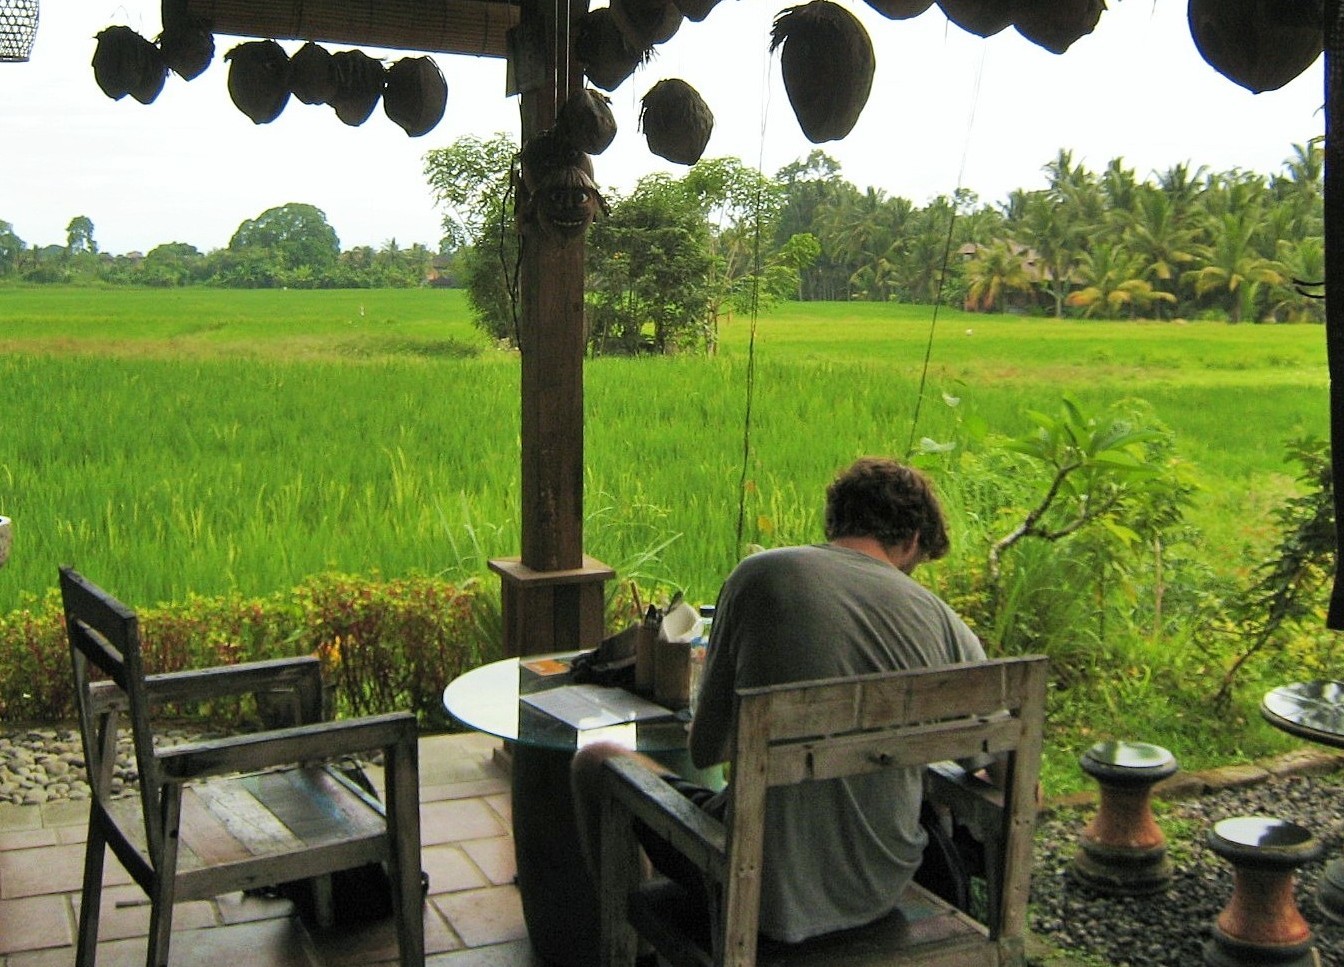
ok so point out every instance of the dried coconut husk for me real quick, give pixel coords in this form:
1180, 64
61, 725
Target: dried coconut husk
985, 18
698, 10
676, 121
900, 9
359, 84
607, 59
312, 76
259, 79
585, 121
416, 95
644, 23
1259, 44
827, 63
126, 63
188, 47
549, 152
1056, 24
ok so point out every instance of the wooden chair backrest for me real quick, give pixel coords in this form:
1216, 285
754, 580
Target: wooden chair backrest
109, 681
794, 733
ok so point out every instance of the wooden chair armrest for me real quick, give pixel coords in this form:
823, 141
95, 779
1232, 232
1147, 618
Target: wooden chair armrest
252, 676
690, 830
303, 672
246, 753
975, 802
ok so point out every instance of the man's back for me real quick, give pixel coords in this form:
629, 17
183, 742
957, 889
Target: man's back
837, 853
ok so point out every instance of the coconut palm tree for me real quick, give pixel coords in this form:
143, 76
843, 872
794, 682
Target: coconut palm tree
993, 272
1236, 270
1163, 244
1298, 297
1113, 286
1054, 232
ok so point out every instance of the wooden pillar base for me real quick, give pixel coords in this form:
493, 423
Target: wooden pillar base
547, 611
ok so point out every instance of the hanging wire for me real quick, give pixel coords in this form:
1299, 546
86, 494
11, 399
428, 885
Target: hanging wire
755, 313
947, 254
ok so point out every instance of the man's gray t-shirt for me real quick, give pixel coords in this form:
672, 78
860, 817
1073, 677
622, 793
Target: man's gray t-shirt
838, 853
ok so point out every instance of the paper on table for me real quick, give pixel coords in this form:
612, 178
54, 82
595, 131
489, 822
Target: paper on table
594, 706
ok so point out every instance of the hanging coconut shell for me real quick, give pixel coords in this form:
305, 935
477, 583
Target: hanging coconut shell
585, 121
676, 121
607, 59
259, 79
985, 18
312, 76
698, 10
126, 63
546, 153
644, 23
187, 46
359, 84
1056, 24
415, 95
827, 63
1259, 44
900, 9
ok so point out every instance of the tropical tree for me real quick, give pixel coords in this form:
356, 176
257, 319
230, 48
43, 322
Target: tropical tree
1055, 234
11, 248
79, 236
648, 285
294, 237
1163, 244
1112, 284
171, 264
1298, 297
993, 272
1236, 271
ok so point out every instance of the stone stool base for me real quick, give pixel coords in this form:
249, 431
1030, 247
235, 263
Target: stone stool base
1261, 925
1120, 871
1330, 891
1122, 851
1224, 951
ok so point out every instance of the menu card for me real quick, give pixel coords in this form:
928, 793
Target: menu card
595, 706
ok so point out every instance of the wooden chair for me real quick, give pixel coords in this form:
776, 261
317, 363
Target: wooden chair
822, 730
235, 813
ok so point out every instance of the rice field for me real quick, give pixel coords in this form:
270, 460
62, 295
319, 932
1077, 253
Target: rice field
200, 441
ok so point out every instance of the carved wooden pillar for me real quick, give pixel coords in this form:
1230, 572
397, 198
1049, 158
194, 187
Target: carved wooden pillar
552, 595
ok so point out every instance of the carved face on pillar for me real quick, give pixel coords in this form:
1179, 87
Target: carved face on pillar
557, 192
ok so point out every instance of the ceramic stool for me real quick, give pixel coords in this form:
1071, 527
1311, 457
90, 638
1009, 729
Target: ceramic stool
1122, 851
1261, 924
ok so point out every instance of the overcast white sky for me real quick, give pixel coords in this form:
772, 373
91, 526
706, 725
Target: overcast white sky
947, 109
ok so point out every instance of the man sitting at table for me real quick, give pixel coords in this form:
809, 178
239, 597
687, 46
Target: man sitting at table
838, 853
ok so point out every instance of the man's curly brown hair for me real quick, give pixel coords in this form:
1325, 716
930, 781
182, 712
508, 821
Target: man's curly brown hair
881, 498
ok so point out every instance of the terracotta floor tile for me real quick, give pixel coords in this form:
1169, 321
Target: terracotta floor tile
51, 869
247, 908
502, 804
14, 817
481, 917
31, 923
124, 912
464, 789
28, 838
458, 819
376, 942
450, 869
516, 953
494, 856
268, 943
69, 813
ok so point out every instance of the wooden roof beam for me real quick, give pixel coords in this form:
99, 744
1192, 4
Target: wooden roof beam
477, 27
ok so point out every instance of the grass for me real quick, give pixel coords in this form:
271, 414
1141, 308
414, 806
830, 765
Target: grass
210, 441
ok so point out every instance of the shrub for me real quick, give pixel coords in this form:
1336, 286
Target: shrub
385, 645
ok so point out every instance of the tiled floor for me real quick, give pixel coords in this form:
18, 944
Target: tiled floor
473, 917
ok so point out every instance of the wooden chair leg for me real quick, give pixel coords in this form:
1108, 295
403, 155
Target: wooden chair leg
162, 892
403, 822
91, 892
